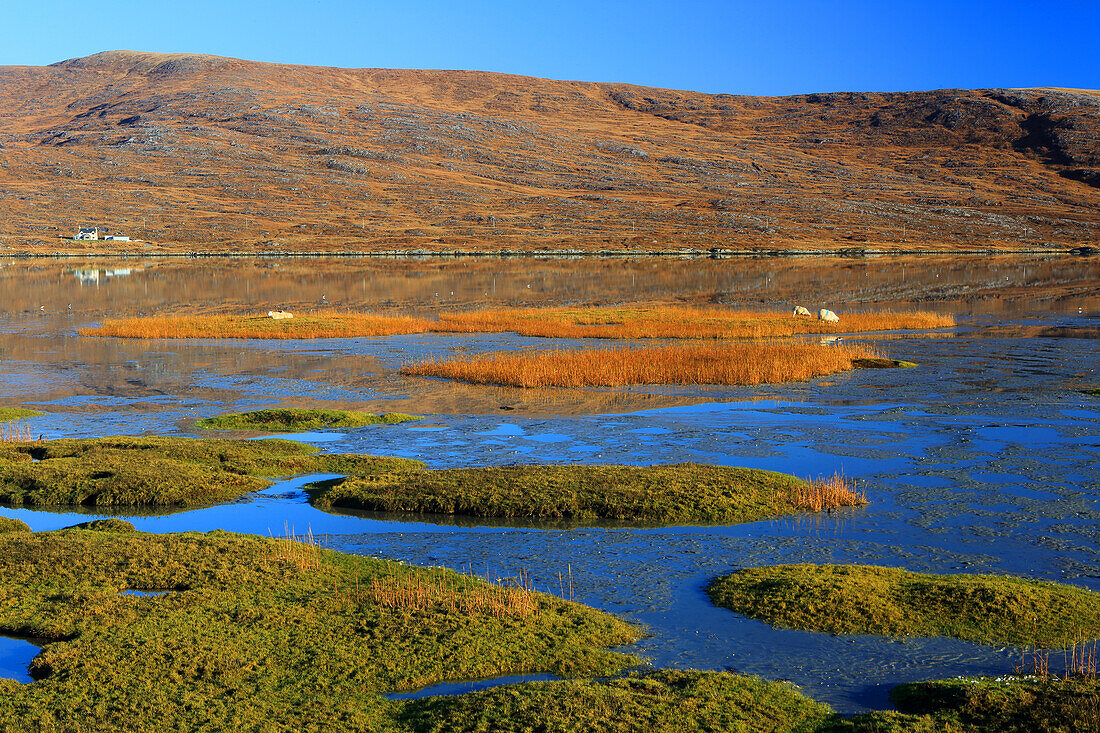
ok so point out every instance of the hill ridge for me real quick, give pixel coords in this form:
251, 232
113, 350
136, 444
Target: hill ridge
214, 152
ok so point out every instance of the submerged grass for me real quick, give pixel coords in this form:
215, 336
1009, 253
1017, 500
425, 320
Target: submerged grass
161, 471
751, 363
655, 321
291, 420
863, 599
686, 493
249, 640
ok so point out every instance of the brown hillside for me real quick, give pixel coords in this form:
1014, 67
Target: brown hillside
202, 152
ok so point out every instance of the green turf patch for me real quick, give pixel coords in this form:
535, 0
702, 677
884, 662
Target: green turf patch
686, 492
162, 471
865, 599
667, 701
293, 420
1008, 705
11, 524
877, 363
262, 634
1094, 391
17, 413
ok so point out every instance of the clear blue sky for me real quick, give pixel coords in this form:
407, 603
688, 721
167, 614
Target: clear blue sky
780, 47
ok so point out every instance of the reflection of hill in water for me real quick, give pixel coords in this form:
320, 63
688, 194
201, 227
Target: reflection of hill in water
973, 284
40, 354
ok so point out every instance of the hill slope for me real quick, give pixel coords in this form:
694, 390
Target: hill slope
203, 152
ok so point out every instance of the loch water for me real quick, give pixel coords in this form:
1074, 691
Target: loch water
983, 459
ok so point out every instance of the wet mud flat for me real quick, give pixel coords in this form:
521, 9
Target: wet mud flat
983, 459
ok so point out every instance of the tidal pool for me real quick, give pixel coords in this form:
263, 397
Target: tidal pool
983, 459
16, 654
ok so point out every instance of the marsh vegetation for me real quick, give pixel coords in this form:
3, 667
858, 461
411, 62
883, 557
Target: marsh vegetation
865, 599
184, 472
633, 322
251, 635
682, 493
160, 471
743, 363
292, 420
8, 414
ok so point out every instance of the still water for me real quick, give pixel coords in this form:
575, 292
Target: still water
984, 459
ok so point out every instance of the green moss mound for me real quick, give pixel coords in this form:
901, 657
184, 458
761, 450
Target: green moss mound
111, 524
161, 471
17, 413
865, 599
1004, 705
671, 701
292, 420
882, 364
685, 492
11, 524
260, 634
1094, 391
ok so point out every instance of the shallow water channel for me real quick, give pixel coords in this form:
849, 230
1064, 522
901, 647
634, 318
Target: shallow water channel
984, 459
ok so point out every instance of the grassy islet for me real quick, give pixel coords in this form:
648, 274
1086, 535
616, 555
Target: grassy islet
292, 420
741, 363
622, 322
664, 494
866, 599
664, 701
8, 414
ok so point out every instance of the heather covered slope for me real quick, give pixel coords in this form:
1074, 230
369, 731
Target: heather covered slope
202, 152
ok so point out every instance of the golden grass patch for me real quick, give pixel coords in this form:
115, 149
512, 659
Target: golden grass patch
673, 322
324, 325
634, 322
750, 363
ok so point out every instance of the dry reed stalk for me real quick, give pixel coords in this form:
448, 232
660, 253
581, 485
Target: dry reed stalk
1080, 660
830, 493
750, 363
301, 553
499, 599
15, 433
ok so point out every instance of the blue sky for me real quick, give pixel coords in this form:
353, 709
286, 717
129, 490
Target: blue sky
781, 47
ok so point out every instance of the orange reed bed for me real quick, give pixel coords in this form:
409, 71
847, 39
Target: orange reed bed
674, 322
768, 362
596, 322
326, 325
826, 494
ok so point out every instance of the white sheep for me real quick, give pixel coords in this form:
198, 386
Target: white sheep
800, 311
828, 316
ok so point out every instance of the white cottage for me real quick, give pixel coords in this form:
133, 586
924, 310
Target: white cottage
87, 233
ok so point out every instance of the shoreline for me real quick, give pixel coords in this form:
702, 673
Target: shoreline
683, 253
